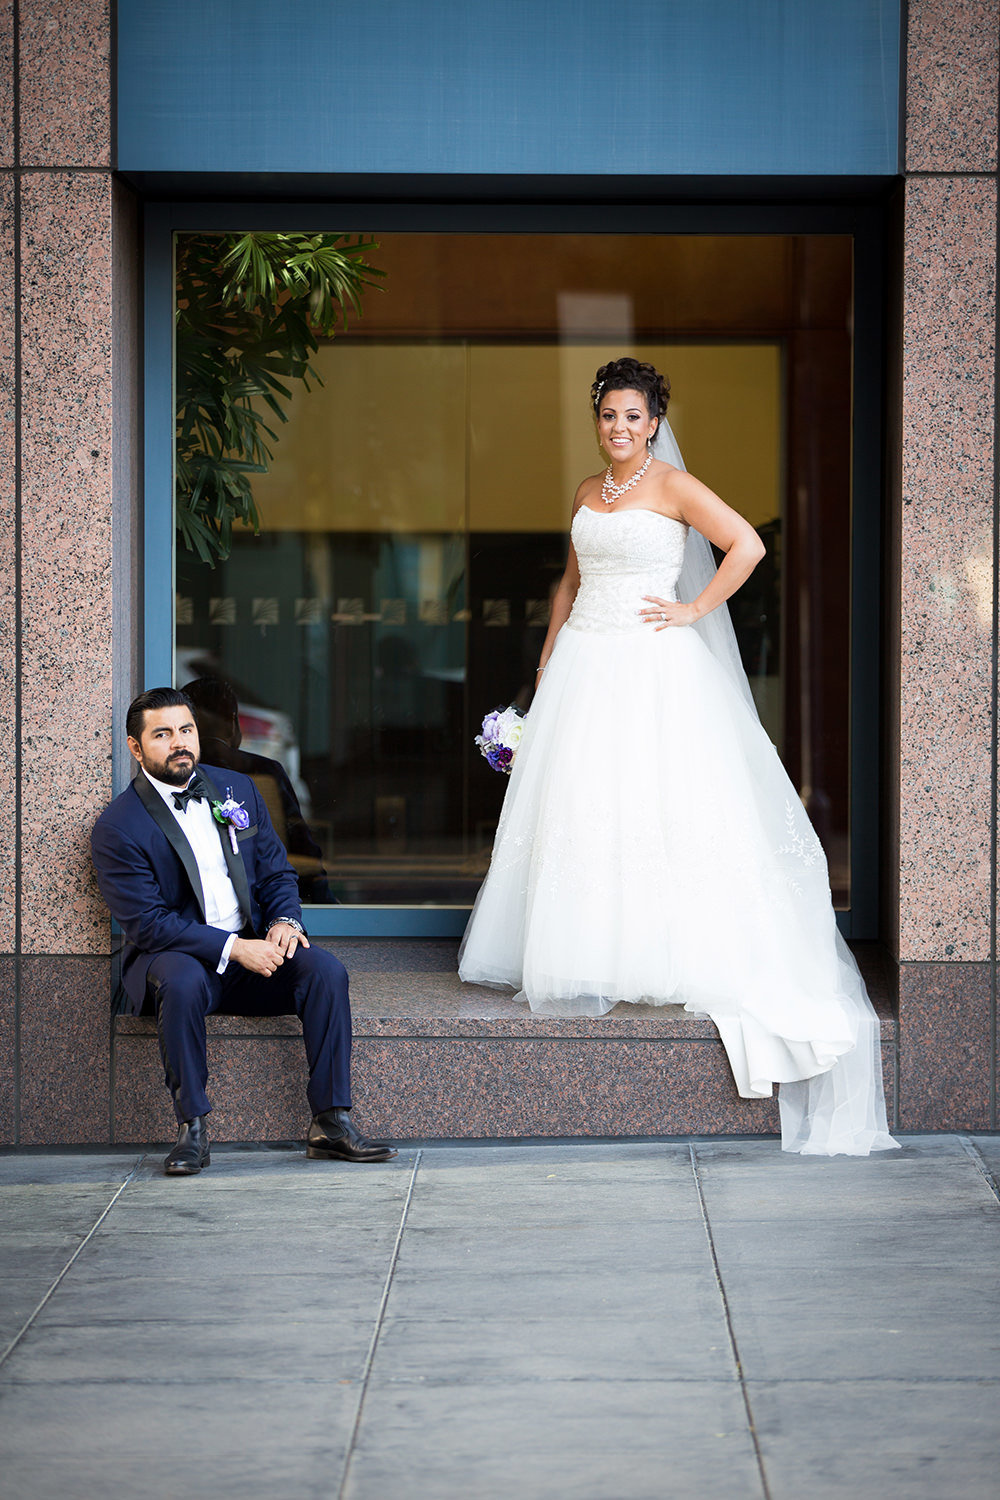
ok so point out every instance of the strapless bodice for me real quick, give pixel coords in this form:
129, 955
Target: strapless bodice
623, 554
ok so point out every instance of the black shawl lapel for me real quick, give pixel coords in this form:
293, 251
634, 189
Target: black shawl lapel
234, 860
169, 827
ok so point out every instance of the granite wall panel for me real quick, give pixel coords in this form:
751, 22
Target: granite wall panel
65, 83
6, 83
946, 564
448, 1086
8, 1049
492, 1087
945, 1057
141, 1107
257, 1084
448, 1074
66, 639
8, 571
65, 1050
888, 845
951, 85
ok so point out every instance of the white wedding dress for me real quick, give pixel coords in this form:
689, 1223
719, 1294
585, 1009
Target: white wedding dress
652, 848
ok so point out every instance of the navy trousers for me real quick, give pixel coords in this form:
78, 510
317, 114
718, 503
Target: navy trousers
312, 984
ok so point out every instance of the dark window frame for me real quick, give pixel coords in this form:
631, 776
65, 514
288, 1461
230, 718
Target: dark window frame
860, 209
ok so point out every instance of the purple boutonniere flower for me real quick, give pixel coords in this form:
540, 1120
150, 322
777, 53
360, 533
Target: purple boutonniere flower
232, 814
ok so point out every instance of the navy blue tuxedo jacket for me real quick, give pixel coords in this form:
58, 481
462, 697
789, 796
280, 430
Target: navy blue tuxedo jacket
149, 878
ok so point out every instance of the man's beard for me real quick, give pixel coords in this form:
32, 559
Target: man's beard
175, 771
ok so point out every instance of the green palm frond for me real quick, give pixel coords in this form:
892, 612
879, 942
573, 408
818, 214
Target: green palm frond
251, 309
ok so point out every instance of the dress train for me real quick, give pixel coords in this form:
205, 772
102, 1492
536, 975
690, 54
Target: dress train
652, 849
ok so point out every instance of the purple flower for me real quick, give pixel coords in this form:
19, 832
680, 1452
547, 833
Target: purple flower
500, 738
231, 812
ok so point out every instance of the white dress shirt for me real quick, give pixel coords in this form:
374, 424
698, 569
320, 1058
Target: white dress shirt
222, 906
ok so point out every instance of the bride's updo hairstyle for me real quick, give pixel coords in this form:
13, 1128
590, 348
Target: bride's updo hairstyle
631, 375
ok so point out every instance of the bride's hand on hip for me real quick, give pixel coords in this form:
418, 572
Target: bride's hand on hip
664, 612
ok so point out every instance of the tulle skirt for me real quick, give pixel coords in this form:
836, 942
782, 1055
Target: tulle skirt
651, 848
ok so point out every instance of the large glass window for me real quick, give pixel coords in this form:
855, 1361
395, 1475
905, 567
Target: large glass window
413, 526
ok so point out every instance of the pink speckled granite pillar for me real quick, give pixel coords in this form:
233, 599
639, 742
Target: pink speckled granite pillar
8, 601
947, 547
6, 84
946, 931
8, 569
64, 194
65, 77
951, 85
944, 1051
8, 1050
66, 555
65, 1050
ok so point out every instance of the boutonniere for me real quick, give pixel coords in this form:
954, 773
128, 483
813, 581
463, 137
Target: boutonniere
232, 815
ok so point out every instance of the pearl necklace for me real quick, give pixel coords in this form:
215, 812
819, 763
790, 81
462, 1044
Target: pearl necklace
610, 492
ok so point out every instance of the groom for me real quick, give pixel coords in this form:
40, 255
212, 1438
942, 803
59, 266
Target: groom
192, 870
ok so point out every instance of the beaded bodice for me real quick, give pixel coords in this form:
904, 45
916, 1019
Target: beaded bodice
623, 554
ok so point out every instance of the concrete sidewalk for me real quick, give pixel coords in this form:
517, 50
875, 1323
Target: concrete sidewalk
628, 1321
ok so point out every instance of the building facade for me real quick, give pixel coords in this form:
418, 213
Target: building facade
836, 165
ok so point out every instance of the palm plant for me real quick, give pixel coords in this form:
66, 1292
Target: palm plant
250, 311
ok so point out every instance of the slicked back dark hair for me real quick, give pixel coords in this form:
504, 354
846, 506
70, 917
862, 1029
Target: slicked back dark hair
161, 697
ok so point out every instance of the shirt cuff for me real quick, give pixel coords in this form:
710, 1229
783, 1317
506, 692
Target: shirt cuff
227, 950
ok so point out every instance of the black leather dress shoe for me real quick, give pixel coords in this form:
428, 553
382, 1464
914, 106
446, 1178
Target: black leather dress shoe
331, 1135
191, 1152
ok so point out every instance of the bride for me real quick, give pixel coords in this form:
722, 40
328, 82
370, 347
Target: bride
651, 847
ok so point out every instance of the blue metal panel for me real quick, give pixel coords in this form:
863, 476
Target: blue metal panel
387, 921
601, 87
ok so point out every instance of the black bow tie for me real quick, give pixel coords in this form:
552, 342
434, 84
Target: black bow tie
192, 793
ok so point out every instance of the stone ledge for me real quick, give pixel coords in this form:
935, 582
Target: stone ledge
412, 1004
434, 1058
456, 1086
605, 1028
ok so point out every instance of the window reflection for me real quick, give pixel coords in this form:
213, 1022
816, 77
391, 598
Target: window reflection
414, 524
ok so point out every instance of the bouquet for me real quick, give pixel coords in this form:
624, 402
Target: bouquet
502, 730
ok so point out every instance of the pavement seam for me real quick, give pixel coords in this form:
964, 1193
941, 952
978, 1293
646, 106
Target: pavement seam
62, 1274
377, 1330
978, 1161
734, 1346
